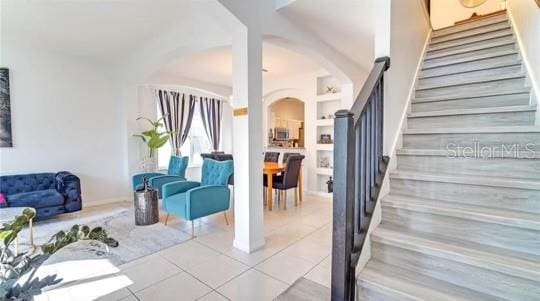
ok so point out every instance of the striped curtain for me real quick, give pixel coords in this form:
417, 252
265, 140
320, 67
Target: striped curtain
178, 112
211, 115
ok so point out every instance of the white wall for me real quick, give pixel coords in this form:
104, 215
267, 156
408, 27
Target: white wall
445, 13
525, 16
64, 117
410, 27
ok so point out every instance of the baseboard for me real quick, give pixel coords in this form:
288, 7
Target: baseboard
106, 201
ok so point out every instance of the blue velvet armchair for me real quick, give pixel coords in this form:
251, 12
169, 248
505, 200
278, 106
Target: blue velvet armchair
191, 200
175, 172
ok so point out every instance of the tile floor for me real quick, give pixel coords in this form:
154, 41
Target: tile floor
298, 244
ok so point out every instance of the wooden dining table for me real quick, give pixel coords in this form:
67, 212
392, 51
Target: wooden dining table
272, 168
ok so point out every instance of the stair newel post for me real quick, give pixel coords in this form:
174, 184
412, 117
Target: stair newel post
343, 275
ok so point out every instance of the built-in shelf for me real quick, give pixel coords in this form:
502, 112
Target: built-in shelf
329, 97
326, 147
325, 171
325, 122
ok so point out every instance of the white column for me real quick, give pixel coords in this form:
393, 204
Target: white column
247, 140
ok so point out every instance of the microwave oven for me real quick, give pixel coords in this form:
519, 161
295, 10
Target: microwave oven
281, 134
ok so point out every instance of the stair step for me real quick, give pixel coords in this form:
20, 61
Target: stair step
455, 188
482, 117
517, 99
516, 219
471, 32
481, 64
465, 154
474, 163
470, 39
488, 88
484, 281
470, 56
468, 180
471, 48
476, 256
469, 26
389, 282
511, 138
468, 77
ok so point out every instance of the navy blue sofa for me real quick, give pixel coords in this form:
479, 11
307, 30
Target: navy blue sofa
49, 193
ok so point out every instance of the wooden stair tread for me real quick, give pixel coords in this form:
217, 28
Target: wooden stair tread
483, 130
493, 215
489, 110
448, 153
408, 285
475, 255
467, 179
470, 58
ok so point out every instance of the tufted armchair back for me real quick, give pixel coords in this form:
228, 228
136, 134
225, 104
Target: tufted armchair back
177, 166
27, 183
216, 172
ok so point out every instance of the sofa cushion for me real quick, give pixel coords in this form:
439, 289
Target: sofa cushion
36, 199
26, 183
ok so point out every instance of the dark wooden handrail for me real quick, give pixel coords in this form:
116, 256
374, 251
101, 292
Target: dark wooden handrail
359, 169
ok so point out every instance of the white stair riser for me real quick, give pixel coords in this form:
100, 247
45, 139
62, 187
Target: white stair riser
511, 141
473, 120
470, 77
478, 279
473, 103
471, 32
476, 89
469, 26
470, 39
488, 63
489, 44
489, 234
468, 56
495, 197
503, 167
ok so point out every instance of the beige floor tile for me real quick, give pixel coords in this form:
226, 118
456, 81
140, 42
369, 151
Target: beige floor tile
130, 298
188, 253
307, 250
285, 268
213, 296
178, 287
116, 295
149, 272
217, 270
219, 240
321, 275
253, 285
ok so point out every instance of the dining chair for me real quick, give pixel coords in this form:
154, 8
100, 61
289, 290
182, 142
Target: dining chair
271, 157
288, 179
286, 156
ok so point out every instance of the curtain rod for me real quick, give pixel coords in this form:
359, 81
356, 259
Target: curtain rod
178, 88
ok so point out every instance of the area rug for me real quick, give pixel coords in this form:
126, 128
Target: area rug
118, 221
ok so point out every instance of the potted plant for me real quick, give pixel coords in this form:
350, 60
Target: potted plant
17, 271
154, 138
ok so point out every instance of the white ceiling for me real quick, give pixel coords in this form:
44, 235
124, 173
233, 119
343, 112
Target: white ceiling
215, 65
346, 25
99, 29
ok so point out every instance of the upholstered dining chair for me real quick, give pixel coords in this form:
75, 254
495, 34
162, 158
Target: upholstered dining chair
288, 179
175, 172
271, 157
286, 156
191, 200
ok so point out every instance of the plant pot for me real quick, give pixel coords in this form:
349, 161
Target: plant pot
149, 164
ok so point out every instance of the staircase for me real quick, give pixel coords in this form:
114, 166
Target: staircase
463, 224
